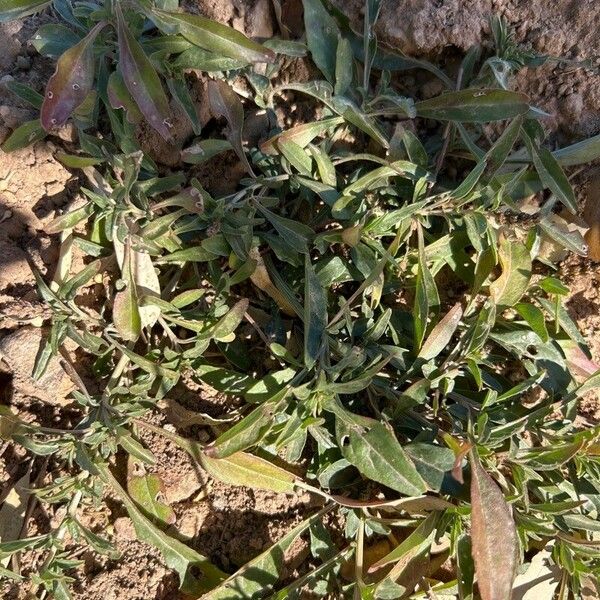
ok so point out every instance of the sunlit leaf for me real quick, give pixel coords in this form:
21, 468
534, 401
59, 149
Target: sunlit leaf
376, 453
493, 534
515, 260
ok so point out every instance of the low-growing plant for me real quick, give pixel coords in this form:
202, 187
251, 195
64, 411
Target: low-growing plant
378, 290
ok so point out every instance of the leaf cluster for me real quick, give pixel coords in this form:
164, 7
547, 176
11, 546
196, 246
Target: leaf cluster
378, 290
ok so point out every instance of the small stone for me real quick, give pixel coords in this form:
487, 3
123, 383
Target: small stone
19, 351
124, 529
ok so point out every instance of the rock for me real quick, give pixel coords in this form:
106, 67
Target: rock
10, 45
259, 20
14, 268
19, 351
12, 117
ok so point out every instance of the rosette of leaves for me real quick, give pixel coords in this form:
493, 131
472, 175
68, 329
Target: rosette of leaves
379, 296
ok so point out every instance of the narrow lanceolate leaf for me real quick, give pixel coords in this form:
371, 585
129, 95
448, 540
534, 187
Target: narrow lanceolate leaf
126, 312
551, 173
296, 234
10, 10
315, 314
441, 334
377, 454
515, 260
218, 38
474, 106
71, 83
23, 136
250, 471
427, 299
141, 79
493, 535
196, 574
301, 134
322, 37
224, 102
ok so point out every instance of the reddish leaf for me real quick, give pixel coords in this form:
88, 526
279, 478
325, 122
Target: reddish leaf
142, 80
493, 535
71, 83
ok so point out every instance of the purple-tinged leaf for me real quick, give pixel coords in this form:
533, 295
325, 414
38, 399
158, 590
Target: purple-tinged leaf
119, 97
218, 38
71, 83
224, 102
142, 80
493, 535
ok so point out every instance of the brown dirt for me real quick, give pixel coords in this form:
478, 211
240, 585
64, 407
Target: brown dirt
231, 525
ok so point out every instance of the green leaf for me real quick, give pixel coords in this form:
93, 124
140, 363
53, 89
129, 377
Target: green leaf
432, 462
204, 60
515, 259
582, 152
427, 300
212, 36
24, 135
180, 92
53, 39
70, 219
204, 150
535, 317
250, 471
414, 544
493, 534
147, 491
177, 556
126, 312
548, 459
294, 233
120, 98
74, 161
26, 93
344, 66
315, 315
322, 34
230, 322
465, 567
296, 155
141, 79
376, 453
550, 172
302, 134
11, 10
71, 83
474, 106
250, 430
